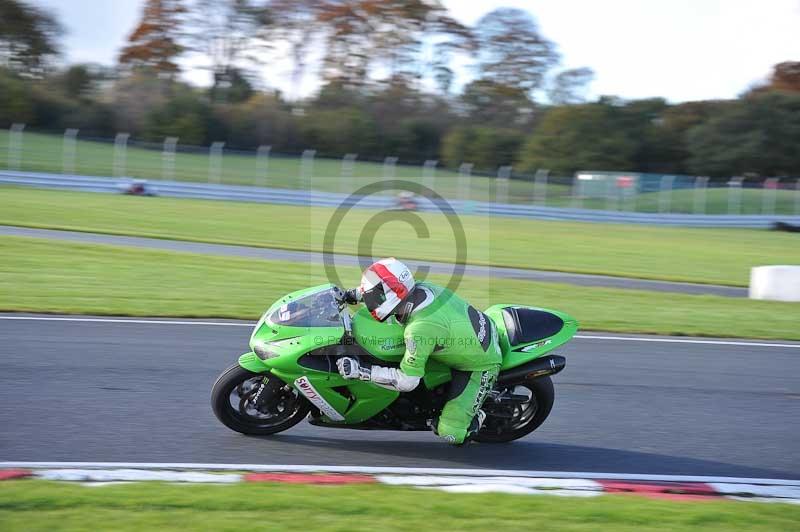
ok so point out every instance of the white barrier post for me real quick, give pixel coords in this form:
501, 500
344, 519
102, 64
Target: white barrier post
735, 195
68, 151
612, 193
348, 167
429, 173
120, 154
700, 185
540, 186
464, 174
769, 194
578, 184
307, 168
168, 158
15, 146
215, 162
626, 187
503, 177
262, 165
797, 196
389, 164
775, 283
665, 194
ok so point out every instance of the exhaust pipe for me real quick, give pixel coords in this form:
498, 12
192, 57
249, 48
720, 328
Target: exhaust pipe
549, 365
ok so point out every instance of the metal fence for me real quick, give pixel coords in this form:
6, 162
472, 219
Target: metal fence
169, 160
331, 199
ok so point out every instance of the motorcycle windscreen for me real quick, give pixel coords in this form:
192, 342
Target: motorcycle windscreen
319, 309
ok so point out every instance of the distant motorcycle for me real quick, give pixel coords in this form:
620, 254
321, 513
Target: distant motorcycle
291, 373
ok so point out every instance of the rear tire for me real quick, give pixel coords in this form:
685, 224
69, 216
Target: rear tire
256, 403
496, 430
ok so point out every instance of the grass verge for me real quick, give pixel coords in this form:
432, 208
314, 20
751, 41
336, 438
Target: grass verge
44, 153
717, 256
40, 275
715, 201
40, 505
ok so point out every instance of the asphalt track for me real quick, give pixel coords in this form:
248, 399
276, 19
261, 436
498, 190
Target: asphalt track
132, 391
363, 262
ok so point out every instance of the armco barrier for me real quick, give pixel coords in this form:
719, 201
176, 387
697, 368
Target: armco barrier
332, 199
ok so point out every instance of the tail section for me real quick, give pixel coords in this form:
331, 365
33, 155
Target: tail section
527, 333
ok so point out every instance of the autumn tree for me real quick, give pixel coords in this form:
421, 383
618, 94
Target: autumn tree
16, 104
664, 147
28, 37
512, 51
443, 74
570, 86
346, 27
786, 76
409, 123
154, 43
293, 23
231, 35
757, 134
487, 148
393, 36
497, 104
581, 137
412, 30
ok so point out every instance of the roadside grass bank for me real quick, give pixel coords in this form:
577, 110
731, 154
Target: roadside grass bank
42, 505
44, 153
716, 201
715, 256
39, 275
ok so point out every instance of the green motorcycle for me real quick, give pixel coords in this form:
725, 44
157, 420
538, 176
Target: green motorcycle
291, 373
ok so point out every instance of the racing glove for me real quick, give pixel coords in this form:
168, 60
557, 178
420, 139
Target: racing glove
350, 369
351, 296
390, 378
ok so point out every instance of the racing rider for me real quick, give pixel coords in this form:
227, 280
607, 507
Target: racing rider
439, 325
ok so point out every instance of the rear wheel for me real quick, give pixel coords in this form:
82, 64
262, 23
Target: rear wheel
509, 417
256, 403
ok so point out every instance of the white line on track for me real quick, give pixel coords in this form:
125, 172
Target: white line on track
235, 324
402, 471
126, 320
684, 341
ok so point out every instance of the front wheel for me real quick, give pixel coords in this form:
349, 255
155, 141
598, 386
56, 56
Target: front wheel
256, 403
509, 418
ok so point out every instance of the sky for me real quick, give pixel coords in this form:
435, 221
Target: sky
678, 49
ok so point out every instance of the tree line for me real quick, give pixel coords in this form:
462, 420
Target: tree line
387, 87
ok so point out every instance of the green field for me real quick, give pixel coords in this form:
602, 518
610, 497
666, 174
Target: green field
40, 275
721, 256
39, 505
716, 202
45, 153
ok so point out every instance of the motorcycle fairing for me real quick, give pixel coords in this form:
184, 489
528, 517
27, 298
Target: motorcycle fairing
292, 328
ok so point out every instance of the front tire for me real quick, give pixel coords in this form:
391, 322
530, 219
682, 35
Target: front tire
525, 418
256, 403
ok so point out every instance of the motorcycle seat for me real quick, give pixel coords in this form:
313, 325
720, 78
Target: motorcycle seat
526, 325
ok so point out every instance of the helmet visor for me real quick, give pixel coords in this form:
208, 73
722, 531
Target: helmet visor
374, 297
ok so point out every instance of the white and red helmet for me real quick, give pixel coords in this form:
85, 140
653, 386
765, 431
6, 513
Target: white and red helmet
385, 285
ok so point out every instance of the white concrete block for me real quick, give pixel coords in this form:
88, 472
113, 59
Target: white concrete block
776, 283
